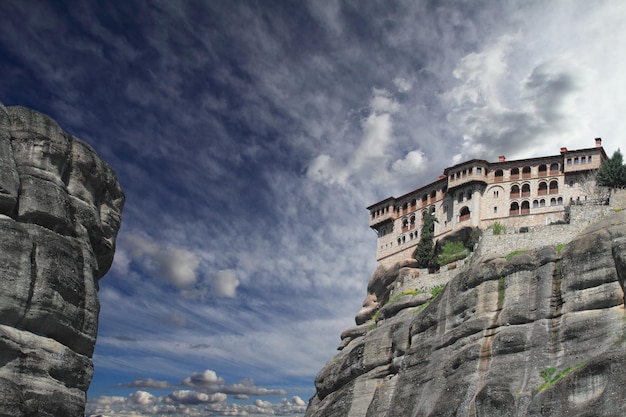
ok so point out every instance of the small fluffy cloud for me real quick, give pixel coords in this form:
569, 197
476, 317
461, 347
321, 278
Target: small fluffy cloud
412, 164
225, 283
142, 398
177, 266
208, 378
194, 397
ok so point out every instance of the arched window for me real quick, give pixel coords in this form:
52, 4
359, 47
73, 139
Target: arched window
525, 207
535, 204
543, 170
413, 204
514, 210
514, 191
432, 209
464, 214
405, 225
460, 197
424, 199
526, 172
405, 207
543, 188
559, 201
412, 222
554, 187
399, 241
553, 201
515, 174
542, 203
554, 169
526, 190
433, 195
499, 175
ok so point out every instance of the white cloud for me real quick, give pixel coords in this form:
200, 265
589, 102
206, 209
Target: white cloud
142, 398
225, 283
413, 164
194, 397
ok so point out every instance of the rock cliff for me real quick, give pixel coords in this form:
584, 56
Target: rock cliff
60, 208
542, 333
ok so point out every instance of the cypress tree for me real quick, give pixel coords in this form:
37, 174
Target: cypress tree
612, 172
425, 251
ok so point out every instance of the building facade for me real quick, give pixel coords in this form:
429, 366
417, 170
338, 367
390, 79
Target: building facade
478, 193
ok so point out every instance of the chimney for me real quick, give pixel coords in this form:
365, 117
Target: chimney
501, 158
563, 149
598, 142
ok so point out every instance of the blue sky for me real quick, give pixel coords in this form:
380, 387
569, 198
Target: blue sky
249, 136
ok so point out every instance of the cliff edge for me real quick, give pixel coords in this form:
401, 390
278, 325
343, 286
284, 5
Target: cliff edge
538, 333
60, 210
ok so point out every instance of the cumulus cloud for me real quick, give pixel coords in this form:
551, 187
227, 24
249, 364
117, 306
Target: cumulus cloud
177, 266
194, 397
225, 283
205, 379
142, 398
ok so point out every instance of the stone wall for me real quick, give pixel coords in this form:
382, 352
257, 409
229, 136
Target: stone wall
60, 210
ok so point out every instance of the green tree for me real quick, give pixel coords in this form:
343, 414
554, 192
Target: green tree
425, 251
612, 172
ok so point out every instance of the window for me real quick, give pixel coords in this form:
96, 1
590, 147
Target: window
543, 188
460, 198
571, 183
514, 210
569, 161
554, 187
526, 172
464, 214
499, 175
495, 210
496, 194
526, 190
576, 161
479, 170
535, 203
583, 160
525, 207
589, 158
515, 191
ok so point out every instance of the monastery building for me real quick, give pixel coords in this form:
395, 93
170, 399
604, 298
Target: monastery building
477, 193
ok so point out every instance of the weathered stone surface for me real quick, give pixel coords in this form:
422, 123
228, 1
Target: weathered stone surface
479, 348
60, 210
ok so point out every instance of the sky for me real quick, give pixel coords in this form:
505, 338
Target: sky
249, 136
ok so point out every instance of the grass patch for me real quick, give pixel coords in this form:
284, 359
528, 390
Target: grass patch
435, 291
497, 228
550, 378
514, 253
452, 251
560, 247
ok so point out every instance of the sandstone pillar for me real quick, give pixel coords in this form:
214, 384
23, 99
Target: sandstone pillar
60, 210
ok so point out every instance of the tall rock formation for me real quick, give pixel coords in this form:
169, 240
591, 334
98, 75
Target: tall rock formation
542, 333
60, 208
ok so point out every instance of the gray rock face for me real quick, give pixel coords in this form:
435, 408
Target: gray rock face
60, 210
542, 334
